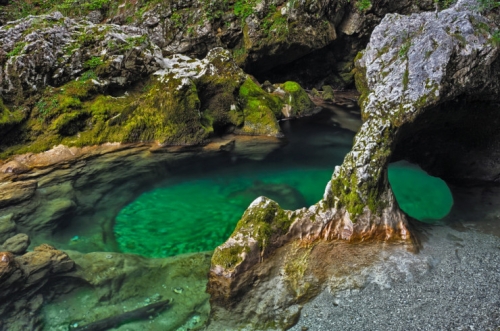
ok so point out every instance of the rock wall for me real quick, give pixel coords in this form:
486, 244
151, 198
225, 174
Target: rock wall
261, 34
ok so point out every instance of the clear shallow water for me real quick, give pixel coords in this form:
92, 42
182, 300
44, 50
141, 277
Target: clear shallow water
198, 210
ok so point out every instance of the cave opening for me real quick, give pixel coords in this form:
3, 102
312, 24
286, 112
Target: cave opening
457, 142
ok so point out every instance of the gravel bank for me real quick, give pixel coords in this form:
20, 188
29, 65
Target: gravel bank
452, 284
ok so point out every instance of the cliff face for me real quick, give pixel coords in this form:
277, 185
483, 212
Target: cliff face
413, 66
76, 83
261, 34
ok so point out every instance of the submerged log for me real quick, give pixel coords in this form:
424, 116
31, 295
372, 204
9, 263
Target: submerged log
127, 317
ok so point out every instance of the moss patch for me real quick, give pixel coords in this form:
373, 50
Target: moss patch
361, 86
264, 222
260, 109
297, 99
75, 115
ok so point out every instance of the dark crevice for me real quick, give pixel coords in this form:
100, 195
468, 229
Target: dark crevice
458, 141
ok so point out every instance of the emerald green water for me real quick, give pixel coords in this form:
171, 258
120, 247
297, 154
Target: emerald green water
424, 197
198, 208
198, 215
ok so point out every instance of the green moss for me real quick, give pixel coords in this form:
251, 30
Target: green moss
405, 47
295, 269
263, 221
406, 78
328, 94
8, 118
297, 99
229, 257
361, 85
17, 50
75, 116
260, 109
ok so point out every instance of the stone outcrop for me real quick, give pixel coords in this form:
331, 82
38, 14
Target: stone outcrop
17, 244
411, 70
50, 289
70, 186
23, 280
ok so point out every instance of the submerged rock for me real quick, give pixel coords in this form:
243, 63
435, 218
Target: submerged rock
288, 196
17, 244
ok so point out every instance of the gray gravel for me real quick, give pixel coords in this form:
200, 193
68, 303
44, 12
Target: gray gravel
453, 283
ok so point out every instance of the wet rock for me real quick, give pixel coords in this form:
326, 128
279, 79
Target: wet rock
15, 192
14, 167
288, 196
328, 94
114, 283
23, 279
52, 212
17, 244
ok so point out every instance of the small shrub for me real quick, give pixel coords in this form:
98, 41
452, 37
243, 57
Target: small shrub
93, 63
363, 5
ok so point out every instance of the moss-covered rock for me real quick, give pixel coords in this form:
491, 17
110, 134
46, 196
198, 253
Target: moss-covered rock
260, 110
328, 94
404, 79
8, 118
297, 102
185, 103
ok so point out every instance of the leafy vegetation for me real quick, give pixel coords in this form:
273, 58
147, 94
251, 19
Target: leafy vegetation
363, 5
403, 51
244, 8
93, 62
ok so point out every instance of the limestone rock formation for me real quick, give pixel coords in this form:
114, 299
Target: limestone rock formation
22, 282
17, 244
413, 66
